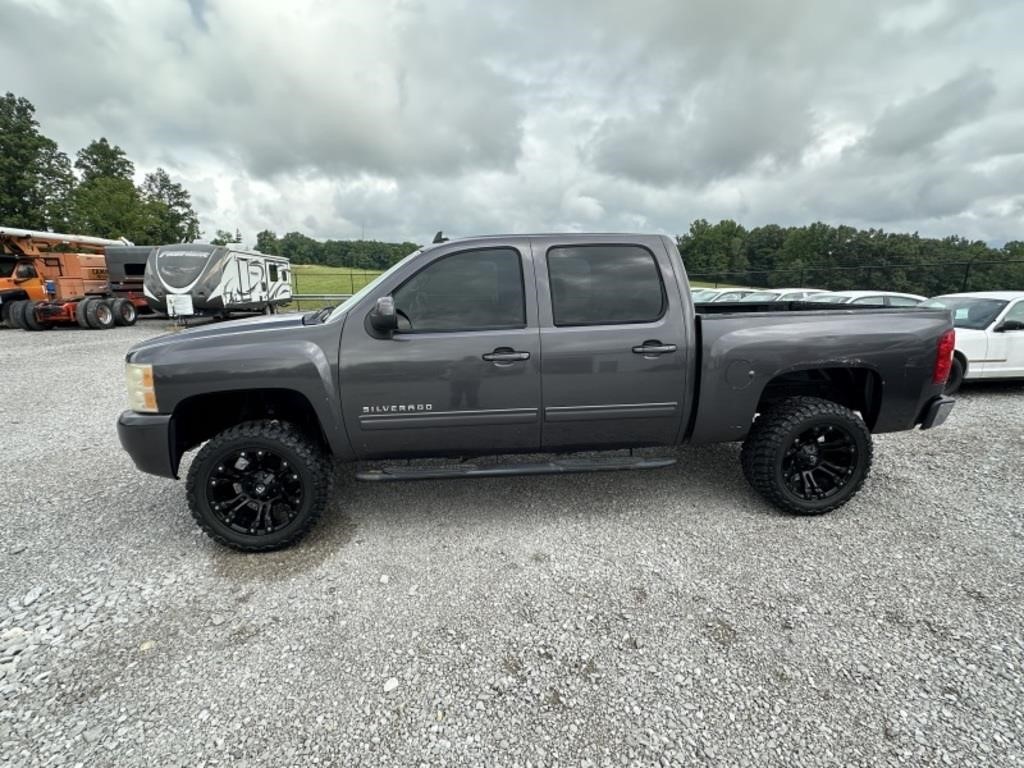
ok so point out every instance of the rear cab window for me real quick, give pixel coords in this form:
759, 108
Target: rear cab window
605, 285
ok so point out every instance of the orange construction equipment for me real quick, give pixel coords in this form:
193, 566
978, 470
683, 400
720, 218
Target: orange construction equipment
49, 279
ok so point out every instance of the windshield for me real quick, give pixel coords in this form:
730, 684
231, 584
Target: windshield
7, 267
369, 287
968, 312
831, 298
703, 294
760, 296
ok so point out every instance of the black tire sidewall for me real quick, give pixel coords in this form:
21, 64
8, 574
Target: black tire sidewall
956, 378
210, 456
862, 440
14, 314
28, 317
92, 313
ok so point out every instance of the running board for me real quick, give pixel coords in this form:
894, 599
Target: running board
556, 467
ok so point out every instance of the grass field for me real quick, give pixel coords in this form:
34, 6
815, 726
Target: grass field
311, 278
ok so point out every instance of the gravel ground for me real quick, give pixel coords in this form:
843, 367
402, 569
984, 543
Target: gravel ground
659, 618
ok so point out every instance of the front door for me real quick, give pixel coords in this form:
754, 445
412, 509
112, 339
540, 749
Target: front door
614, 345
1006, 348
462, 373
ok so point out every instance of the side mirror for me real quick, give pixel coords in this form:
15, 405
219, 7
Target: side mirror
383, 317
1009, 325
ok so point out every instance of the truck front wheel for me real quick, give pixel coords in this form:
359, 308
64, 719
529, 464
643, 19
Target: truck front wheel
259, 485
807, 455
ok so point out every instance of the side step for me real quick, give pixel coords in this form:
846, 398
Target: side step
554, 467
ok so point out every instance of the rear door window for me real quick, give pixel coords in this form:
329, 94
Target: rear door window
605, 285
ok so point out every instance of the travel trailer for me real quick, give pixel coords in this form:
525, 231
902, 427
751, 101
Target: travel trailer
194, 279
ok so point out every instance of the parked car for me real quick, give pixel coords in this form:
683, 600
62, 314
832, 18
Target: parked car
780, 294
524, 344
869, 298
989, 335
732, 294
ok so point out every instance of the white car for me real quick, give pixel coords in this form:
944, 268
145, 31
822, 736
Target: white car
989, 335
781, 294
706, 295
873, 298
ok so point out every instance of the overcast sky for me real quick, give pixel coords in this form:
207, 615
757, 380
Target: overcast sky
400, 117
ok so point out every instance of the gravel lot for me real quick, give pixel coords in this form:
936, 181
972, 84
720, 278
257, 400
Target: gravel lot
666, 617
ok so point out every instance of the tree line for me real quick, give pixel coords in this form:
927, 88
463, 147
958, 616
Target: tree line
843, 258
41, 189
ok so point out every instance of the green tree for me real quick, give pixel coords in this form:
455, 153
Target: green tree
35, 176
224, 237
267, 242
101, 159
171, 204
111, 207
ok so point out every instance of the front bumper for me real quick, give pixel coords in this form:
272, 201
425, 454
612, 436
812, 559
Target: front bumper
936, 411
148, 439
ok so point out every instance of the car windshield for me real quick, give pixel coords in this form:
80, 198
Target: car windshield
703, 294
7, 267
369, 287
760, 296
968, 312
831, 298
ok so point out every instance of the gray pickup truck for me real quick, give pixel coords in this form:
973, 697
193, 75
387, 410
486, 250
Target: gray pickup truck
573, 346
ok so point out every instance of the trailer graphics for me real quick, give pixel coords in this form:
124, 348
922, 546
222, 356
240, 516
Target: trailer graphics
219, 279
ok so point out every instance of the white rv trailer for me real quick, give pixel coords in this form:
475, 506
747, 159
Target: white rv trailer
219, 279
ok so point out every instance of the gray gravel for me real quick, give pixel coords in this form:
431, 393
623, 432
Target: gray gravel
661, 618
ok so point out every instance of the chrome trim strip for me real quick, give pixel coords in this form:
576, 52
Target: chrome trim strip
436, 419
557, 413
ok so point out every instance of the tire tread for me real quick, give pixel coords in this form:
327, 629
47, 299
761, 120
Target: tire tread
767, 436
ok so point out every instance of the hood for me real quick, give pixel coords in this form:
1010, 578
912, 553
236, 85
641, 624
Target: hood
224, 332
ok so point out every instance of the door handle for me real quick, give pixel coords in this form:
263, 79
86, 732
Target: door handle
505, 355
653, 348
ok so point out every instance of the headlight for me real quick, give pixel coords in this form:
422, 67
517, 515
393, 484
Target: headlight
139, 381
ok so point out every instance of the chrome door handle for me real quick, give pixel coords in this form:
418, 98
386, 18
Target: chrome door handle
653, 348
505, 355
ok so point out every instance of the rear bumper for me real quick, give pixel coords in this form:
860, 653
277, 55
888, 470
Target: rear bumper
936, 411
147, 438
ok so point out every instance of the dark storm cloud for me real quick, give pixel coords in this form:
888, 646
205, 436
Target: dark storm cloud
917, 123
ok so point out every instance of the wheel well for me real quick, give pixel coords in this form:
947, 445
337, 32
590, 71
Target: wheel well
858, 389
197, 419
961, 357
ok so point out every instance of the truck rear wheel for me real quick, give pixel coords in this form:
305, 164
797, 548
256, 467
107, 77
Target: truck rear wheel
124, 312
258, 486
956, 377
80, 318
29, 321
98, 314
14, 314
807, 455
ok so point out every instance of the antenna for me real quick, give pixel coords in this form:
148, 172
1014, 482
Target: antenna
440, 238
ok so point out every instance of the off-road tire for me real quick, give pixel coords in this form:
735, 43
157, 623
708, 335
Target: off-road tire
313, 465
773, 434
99, 314
28, 317
14, 314
124, 312
956, 377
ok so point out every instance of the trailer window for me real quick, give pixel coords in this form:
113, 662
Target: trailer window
273, 273
180, 268
605, 285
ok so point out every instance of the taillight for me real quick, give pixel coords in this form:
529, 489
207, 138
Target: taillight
944, 357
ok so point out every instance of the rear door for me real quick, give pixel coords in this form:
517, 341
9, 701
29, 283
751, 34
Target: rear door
462, 374
614, 344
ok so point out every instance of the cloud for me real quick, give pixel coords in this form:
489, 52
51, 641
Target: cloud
399, 117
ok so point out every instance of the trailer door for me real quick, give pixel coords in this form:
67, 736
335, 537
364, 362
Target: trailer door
244, 279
